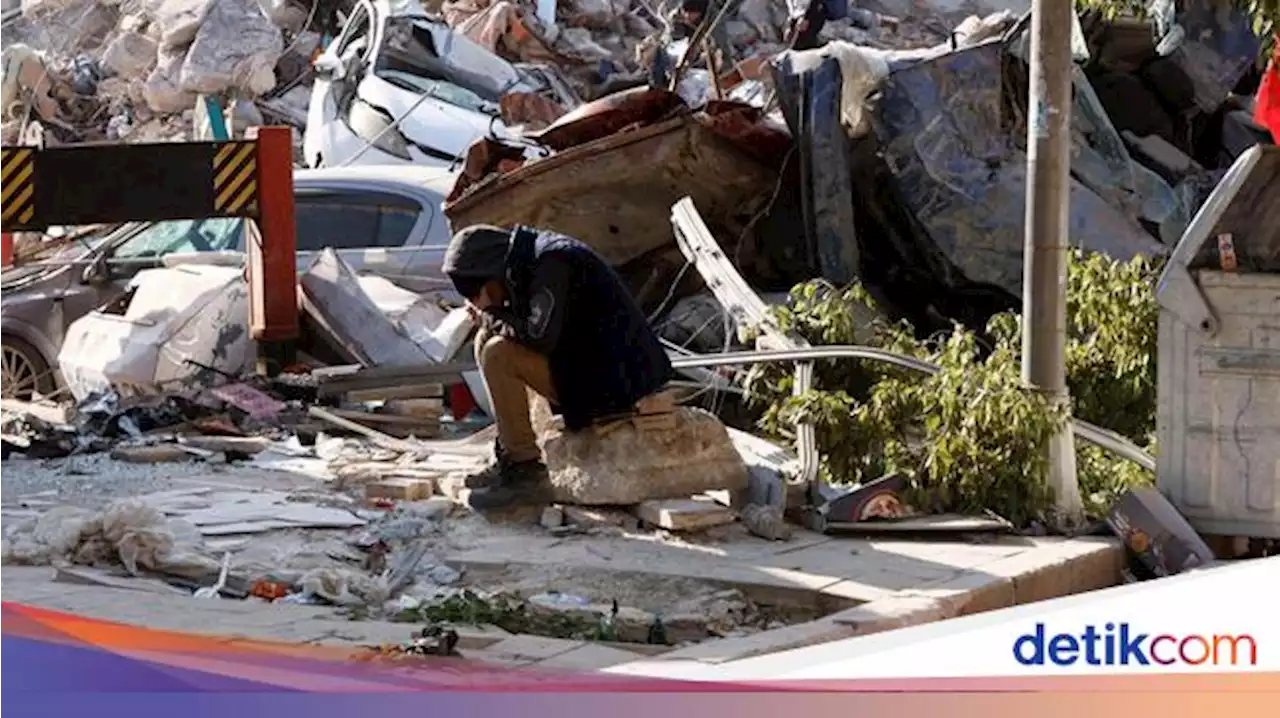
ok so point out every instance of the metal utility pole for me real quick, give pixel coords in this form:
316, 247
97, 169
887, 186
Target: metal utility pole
1044, 273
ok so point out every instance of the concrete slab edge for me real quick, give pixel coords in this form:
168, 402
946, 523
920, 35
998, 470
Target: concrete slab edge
1011, 581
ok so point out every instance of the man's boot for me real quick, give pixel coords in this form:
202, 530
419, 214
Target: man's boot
509, 483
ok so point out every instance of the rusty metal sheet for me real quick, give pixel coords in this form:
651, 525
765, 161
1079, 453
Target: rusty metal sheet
743, 125
611, 193
608, 115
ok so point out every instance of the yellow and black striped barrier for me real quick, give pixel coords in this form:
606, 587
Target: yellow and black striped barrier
235, 179
112, 183
18, 185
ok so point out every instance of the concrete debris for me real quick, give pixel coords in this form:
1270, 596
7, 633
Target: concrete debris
339, 296
684, 514
766, 522
552, 518
631, 465
402, 489
163, 90
235, 47
131, 55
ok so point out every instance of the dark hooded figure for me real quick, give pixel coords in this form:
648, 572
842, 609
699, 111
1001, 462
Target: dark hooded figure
554, 318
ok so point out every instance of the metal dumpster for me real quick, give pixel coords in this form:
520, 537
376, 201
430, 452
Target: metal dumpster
1219, 357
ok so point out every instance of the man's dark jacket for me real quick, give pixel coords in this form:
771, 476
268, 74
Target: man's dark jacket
566, 303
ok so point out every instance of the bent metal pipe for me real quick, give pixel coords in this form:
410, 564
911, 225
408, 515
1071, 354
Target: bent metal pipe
1095, 435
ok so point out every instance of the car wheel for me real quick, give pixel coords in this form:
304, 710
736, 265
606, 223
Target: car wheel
23, 371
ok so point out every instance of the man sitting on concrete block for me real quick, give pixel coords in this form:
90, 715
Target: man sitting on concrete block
554, 318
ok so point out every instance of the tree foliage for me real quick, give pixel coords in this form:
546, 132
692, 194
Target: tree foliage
971, 437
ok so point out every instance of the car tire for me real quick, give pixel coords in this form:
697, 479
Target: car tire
25, 371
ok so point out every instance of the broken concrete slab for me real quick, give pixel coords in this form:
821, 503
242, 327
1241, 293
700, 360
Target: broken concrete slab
438, 333
227, 513
1049, 568
235, 48
87, 576
684, 514
629, 465
337, 295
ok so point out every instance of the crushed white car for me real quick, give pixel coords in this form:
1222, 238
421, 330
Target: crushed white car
400, 86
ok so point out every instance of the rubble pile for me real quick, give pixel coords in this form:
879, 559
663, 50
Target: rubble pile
149, 61
132, 69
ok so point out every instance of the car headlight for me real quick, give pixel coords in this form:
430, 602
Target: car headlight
375, 126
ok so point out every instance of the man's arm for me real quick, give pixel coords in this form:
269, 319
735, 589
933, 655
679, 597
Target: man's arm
548, 292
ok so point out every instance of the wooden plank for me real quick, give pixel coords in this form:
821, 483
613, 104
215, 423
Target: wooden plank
378, 418
371, 380
408, 391
377, 437
400, 488
424, 371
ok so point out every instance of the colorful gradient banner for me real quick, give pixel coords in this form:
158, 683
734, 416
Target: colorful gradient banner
61, 665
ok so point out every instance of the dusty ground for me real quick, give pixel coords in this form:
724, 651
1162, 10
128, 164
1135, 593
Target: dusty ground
435, 527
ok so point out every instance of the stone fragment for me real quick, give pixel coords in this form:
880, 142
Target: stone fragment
552, 518
178, 21
684, 514
235, 48
162, 92
400, 489
627, 466
131, 55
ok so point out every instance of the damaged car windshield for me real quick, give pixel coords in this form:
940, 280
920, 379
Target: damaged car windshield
418, 58
182, 236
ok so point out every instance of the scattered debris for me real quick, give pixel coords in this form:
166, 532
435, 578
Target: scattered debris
766, 521
552, 518
1157, 534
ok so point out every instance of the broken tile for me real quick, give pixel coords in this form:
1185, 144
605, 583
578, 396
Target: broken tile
249, 400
